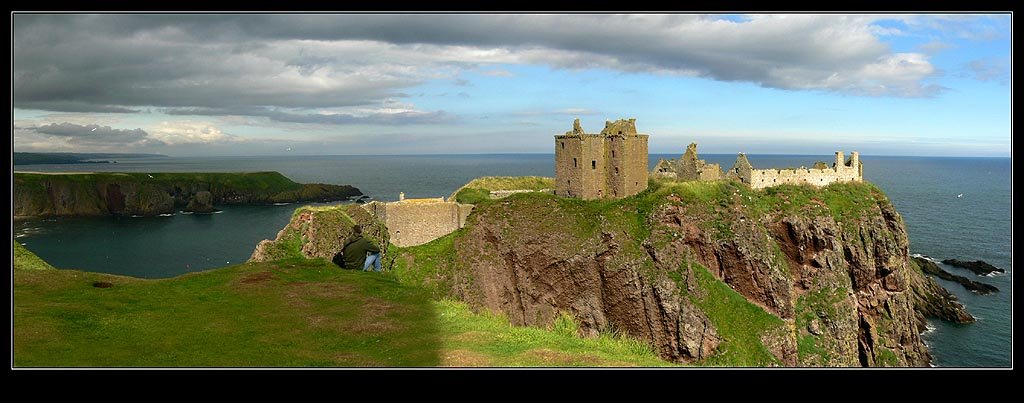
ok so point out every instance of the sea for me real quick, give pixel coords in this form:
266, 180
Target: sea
952, 207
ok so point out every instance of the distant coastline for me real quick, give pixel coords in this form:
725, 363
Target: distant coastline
26, 158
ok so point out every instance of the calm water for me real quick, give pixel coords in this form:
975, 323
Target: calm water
976, 225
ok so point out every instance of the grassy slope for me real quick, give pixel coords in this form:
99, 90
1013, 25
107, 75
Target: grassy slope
478, 190
292, 312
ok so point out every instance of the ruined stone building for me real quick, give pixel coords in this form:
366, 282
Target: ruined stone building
688, 168
842, 170
413, 222
611, 164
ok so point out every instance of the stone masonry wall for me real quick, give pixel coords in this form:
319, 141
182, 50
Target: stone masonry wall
612, 164
688, 167
841, 171
413, 223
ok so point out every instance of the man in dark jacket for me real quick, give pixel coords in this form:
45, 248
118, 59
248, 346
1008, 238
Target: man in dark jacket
360, 252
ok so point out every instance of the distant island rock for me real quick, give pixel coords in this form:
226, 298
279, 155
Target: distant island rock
979, 267
150, 194
930, 267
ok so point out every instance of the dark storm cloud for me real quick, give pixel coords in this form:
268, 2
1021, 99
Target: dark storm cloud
94, 134
114, 63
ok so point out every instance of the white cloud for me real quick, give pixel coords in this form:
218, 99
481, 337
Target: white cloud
991, 69
190, 132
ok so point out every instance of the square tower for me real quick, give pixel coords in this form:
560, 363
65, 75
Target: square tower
611, 164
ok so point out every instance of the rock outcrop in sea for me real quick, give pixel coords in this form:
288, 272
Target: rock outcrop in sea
930, 267
979, 267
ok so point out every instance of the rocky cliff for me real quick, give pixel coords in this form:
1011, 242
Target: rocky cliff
711, 273
319, 232
37, 194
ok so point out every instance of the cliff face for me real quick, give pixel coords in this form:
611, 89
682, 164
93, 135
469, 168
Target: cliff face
158, 193
712, 272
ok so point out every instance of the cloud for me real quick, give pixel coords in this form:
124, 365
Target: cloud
972, 27
991, 69
66, 136
390, 112
497, 73
254, 63
934, 47
189, 132
92, 134
558, 112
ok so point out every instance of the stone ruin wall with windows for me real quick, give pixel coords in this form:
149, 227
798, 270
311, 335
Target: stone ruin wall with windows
842, 170
611, 164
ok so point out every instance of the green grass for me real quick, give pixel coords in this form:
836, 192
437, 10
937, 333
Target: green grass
27, 260
478, 190
472, 196
820, 305
292, 312
489, 340
431, 265
740, 324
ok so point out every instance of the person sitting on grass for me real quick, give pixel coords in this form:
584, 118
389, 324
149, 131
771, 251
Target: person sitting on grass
360, 252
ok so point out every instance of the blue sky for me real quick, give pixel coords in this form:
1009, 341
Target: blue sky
422, 84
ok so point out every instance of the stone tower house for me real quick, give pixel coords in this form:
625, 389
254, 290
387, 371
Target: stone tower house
612, 164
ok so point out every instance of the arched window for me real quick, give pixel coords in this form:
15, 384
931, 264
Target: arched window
613, 153
593, 164
563, 145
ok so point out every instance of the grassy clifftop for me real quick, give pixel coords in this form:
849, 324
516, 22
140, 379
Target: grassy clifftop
39, 194
270, 182
478, 190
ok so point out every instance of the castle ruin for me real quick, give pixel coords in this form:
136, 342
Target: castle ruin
688, 168
612, 164
821, 174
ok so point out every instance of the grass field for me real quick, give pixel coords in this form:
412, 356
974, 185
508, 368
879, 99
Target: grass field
288, 313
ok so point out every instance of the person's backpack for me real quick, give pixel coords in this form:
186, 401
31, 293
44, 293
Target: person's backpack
339, 258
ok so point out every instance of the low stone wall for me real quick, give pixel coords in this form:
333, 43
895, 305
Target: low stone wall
501, 194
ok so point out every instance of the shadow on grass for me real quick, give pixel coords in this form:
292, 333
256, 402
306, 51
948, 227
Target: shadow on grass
288, 313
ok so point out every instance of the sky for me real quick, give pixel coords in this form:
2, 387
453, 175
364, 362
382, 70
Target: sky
345, 84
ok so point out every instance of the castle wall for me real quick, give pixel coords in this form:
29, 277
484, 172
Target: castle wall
417, 222
635, 165
568, 157
841, 171
612, 164
688, 168
709, 172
